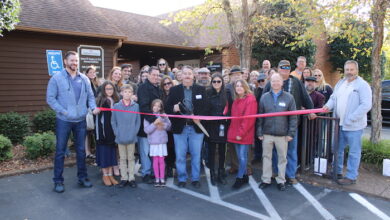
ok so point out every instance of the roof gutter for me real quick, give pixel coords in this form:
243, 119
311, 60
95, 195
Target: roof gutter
73, 33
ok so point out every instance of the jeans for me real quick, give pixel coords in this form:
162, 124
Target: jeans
354, 140
143, 149
292, 158
188, 141
242, 155
63, 129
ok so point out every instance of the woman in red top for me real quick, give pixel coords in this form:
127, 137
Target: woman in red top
241, 130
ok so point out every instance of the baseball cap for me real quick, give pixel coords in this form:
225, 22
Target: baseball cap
262, 76
311, 78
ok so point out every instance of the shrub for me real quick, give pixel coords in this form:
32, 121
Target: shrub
5, 148
44, 121
15, 126
39, 145
375, 153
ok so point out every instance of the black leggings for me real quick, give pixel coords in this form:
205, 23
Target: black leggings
221, 155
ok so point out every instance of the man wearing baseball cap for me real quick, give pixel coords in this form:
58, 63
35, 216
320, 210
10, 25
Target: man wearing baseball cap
316, 97
294, 86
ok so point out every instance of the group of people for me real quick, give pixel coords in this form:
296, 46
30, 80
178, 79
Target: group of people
163, 142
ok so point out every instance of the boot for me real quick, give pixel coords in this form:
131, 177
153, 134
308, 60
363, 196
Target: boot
221, 176
106, 181
212, 177
239, 182
113, 180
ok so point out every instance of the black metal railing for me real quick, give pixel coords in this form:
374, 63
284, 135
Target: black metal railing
320, 145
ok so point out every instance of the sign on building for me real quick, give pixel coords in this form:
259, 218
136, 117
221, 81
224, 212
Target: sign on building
215, 67
91, 56
54, 61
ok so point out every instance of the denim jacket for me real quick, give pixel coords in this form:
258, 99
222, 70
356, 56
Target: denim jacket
61, 98
359, 103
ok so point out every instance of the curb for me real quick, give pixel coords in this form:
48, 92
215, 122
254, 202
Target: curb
34, 170
335, 186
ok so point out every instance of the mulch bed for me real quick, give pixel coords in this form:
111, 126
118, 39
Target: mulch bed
20, 164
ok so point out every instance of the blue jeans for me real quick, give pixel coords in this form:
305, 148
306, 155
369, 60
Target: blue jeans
63, 129
143, 149
292, 158
188, 141
354, 140
242, 156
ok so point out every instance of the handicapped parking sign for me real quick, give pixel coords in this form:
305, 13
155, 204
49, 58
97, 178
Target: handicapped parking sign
54, 61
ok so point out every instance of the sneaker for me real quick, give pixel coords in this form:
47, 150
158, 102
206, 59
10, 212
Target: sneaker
162, 183
181, 184
264, 185
123, 183
281, 187
132, 184
346, 181
238, 184
291, 181
59, 187
85, 183
196, 184
157, 183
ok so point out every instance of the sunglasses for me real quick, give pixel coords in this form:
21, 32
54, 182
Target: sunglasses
168, 83
161, 64
262, 80
285, 67
216, 81
317, 75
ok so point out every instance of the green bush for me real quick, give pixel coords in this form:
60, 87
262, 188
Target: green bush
39, 145
44, 121
5, 148
375, 153
15, 126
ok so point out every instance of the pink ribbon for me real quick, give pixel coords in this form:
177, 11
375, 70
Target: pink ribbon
210, 118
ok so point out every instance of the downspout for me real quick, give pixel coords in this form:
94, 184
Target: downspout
115, 54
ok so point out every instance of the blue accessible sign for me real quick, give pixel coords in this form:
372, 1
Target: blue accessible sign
54, 61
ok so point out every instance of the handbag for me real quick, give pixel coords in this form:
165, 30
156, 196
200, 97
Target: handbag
90, 122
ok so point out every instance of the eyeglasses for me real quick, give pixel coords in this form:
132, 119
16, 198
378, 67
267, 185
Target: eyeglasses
168, 83
262, 80
317, 75
285, 67
216, 81
161, 64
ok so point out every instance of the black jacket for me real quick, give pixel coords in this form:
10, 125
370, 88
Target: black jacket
146, 93
216, 107
199, 102
104, 133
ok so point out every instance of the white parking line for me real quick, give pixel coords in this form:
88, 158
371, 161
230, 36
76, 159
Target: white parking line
325, 213
369, 206
214, 193
263, 199
218, 202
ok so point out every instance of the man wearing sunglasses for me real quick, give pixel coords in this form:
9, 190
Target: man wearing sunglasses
295, 87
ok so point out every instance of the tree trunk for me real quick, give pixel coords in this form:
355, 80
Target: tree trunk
378, 13
245, 50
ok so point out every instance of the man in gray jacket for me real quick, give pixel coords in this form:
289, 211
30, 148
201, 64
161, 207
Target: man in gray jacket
276, 131
350, 101
69, 94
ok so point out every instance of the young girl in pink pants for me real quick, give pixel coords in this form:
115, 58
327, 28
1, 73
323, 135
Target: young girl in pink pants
158, 139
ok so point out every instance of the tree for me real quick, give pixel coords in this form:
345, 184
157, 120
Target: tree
246, 22
378, 14
9, 15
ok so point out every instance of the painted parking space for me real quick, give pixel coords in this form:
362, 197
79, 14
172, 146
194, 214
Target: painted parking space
31, 197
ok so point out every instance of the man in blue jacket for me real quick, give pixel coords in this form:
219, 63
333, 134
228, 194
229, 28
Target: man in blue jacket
350, 101
69, 94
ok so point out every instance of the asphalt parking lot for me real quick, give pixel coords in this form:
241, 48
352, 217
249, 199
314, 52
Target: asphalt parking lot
31, 197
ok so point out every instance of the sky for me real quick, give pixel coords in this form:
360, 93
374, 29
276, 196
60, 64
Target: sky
146, 7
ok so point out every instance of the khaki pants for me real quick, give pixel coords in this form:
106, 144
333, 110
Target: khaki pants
234, 159
281, 145
127, 161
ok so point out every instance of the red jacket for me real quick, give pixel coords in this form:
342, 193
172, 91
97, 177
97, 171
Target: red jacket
245, 128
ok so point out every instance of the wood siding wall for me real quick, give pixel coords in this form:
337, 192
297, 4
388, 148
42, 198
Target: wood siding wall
23, 68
